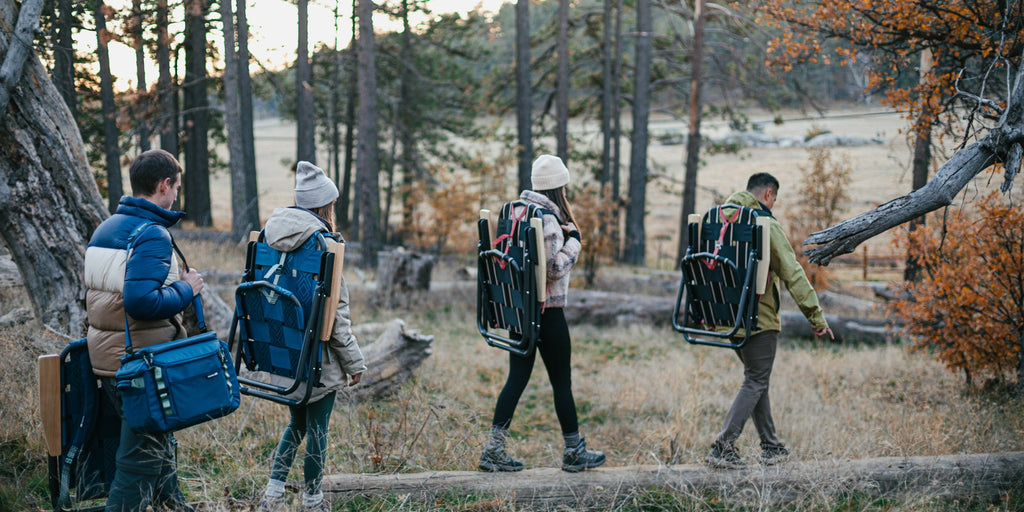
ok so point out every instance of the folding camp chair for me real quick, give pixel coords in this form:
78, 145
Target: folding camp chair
725, 271
511, 277
284, 312
81, 427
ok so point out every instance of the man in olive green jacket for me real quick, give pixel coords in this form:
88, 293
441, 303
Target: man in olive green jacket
758, 354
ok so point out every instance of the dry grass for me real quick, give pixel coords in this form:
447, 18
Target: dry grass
644, 397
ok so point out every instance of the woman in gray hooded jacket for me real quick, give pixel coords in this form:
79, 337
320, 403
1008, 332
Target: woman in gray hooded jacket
286, 230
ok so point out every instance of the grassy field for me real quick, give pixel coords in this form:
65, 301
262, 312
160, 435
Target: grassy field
644, 395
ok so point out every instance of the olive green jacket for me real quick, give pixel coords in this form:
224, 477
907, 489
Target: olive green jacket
783, 267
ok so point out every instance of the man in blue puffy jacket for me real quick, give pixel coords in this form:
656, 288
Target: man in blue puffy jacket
149, 290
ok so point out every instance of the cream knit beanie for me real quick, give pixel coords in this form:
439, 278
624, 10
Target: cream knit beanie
312, 187
549, 173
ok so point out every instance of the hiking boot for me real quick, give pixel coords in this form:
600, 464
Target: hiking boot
725, 458
497, 459
580, 458
773, 455
322, 506
273, 504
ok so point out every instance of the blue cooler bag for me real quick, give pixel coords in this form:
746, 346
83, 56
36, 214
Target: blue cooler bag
177, 384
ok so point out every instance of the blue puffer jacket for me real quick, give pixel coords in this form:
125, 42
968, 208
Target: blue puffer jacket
146, 285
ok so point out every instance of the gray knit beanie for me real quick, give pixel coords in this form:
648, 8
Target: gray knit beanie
549, 173
312, 187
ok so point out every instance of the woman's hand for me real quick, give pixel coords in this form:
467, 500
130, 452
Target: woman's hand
354, 379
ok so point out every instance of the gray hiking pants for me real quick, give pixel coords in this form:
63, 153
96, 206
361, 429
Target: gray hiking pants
758, 356
146, 467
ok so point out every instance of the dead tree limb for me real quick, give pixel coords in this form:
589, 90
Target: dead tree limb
910, 479
1001, 144
18, 49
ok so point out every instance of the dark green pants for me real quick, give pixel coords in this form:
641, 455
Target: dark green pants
146, 467
309, 421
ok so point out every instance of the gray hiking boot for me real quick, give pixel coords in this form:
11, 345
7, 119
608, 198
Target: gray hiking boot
772, 455
579, 458
725, 458
495, 458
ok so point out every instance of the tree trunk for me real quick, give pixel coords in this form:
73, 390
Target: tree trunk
635, 212
921, 164
166, 88
693, 141
562, 88
606, 99
197, 153
333, 117
367, 166
616, 233
346, 181
237, 164
524, 98
138, 40
49, 202
252, 191
412, 172
64, 55
110, 131
981, 478
305, 124
401, 275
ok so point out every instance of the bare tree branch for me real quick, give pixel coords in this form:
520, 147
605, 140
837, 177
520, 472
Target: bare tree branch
1001, 144
19, 48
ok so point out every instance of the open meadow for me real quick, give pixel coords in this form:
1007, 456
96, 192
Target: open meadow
643, 394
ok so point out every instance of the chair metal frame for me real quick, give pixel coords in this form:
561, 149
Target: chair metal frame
516, 265
316, 327
706, 233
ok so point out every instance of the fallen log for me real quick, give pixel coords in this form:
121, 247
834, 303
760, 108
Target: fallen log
609, 308
908, 479
391, 358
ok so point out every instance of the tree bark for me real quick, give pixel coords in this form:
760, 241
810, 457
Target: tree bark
138, 40
115, 188
197, 115
391, 358
252, 192
166, 88
844, 237
524, 97
367, 158
305, 124
400, 274
237, 164
345, 220
19, 49
64, 56
693, 141
606, 98
636, 210
49, 202
562, 87
949, 477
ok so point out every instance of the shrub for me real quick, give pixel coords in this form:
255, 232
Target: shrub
969, 305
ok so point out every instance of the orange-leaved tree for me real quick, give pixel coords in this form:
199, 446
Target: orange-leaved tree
969, 305
971, 46
819, 200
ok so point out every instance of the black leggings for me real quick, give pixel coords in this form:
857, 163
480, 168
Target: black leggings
555, 349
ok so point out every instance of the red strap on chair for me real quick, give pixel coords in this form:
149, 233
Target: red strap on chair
711, 263
508, 236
